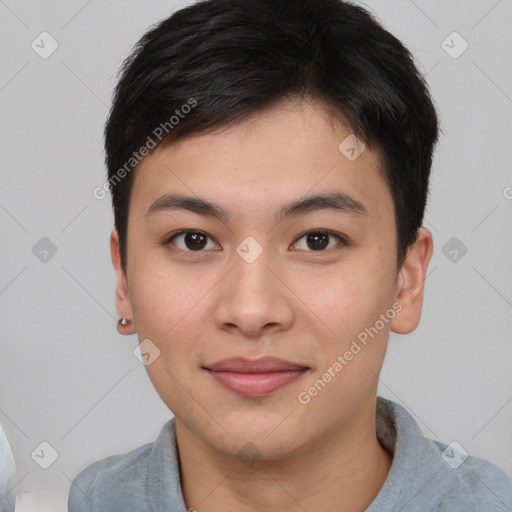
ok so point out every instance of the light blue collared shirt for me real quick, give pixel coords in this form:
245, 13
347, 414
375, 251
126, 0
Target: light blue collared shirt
425, 475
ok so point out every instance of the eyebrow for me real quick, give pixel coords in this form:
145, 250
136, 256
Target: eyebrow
336, 201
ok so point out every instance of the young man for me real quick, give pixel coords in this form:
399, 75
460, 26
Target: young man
269, 164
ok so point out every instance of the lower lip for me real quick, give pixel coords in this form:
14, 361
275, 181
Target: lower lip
256, 384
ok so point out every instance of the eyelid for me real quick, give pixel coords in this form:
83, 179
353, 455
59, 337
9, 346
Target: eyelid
343, 239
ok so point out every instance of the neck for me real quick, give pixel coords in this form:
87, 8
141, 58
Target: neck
342, 471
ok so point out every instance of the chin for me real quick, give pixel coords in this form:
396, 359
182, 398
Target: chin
258, 438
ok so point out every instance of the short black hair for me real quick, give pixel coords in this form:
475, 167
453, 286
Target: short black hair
217, 62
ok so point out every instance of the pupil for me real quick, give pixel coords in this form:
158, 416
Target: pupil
193, 240
315, 238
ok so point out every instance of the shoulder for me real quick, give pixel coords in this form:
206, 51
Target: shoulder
471, 480
434, 476
143, 479
110, 480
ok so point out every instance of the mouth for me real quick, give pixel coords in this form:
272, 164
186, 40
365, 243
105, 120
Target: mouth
255, 378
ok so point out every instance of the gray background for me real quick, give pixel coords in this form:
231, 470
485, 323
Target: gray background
68, 378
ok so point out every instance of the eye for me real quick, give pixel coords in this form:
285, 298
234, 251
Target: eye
196, 241
192, 241
319, 241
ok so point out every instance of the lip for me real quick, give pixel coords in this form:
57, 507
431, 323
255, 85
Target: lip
260, 365
258, 377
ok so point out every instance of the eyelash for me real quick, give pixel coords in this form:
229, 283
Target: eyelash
343, 241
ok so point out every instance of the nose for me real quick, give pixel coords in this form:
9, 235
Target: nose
253, 298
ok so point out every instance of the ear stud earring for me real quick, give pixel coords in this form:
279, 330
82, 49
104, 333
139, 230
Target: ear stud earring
124, 322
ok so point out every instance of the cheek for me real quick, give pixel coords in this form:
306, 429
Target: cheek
351, 353
170, 308
166, 310
164, 302
346, 300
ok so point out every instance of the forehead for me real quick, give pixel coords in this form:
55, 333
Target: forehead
274, 157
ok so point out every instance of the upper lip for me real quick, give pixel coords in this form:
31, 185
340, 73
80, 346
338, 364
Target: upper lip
261, 365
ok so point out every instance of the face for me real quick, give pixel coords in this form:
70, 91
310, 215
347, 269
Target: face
300, 284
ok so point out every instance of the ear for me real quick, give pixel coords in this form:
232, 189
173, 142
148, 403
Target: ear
123, 303
411, 283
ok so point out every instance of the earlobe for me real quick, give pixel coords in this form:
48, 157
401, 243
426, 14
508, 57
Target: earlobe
123, 303
411, 283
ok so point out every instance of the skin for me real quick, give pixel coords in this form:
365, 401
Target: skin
292, 302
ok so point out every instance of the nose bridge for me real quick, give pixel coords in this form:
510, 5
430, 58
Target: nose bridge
253, 273
251, 283
252, 297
